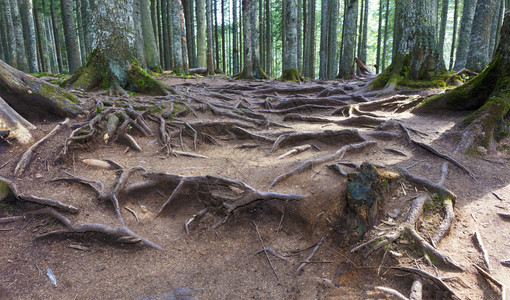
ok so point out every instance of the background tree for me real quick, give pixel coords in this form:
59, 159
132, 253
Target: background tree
466, 23
290, 71
73, 50
478, 54
346, 68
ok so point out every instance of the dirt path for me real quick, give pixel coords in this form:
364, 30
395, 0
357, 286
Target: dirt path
224, 263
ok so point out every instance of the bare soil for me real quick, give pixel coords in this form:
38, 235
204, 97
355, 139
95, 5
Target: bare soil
225, 263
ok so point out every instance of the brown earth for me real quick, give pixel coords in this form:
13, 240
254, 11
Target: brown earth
224, 263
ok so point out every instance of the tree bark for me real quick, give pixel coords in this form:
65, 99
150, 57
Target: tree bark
87, 25
466, 23
11, 41
309, 52
235, 50
289, 69
73, 50
442, 27
149, 39
385, 41
81, 34
495, 27
346, 69
488, 93
190, 33
21, 57
323, 52
332, 39
379, 38
201, 34
27, 16
247, 39
210, 39
478, 54
269, 40
299, 36
454, 34
39, 31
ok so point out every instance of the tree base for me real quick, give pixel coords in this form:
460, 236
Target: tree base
291, 75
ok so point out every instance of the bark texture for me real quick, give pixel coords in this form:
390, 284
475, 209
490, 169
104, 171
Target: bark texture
478, 54
73, 50
347, 62
21, 57
30, 40
149, 39
289, 69
201, 34
466, 23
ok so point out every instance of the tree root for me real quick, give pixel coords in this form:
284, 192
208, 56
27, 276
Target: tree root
326, 136
490, 278
362, 121
407, 227
112, 196
8, 187
307, 260
430, 277
339, 154
477, 239
121, 234
224, 194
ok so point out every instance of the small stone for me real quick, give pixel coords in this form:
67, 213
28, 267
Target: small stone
144, 209
38, 175
481, 150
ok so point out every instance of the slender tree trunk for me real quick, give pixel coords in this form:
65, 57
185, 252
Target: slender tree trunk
269, 40
51, 46
138, 31
154, 19
258, 72
224, 57
160, 34
495, 27
360, 27
454, 34
364, 40
379, 38
284, 31
299, 36
73, 50
210, 38
216, 35
149, 39
385, 42
39, 37
81, 34
466, 24
323, 53
309, 53
27, 16
190, 36
87, 25
13, 54
201, 34
22, 62
170, 34
351, 14
179, 37
247, 40
289, 70
235, 50
332, 69
478, 54
165, 40
442, 28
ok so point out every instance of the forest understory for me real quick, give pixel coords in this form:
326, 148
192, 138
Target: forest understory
230, 189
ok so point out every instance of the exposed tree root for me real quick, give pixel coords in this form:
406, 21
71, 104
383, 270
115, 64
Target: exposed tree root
308, 259
26, 157
98, 188
7, 187
339, 154
430, 277
477, 239
451, 80
326, 136
120, 234
298, 101
222, 194
362, 121
407, 227
490, 278
396, 294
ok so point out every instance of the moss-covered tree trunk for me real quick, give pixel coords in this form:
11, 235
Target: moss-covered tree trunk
488, 93
416, 56
114, 62
290, 61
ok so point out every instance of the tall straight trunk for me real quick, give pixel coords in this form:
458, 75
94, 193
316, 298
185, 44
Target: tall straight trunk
201, 34
87, 25
299, 35
27, 16
442, 27
216, 35
454, 34
138, 32
159, 25
4, 51
223, 36
39, 37
179, 37
56, 41
323, 53
478, 54
154, 19
247, 40
81, 34
255, 40
379, 38
50, 47
466, 23
165, 32
290, 42
73, 50
360, 27
149, 39
210, 38
347, 65
332, 39
269, 40
235, 48
11, 38
21, 56
309, 52
496, 21
262, 33
190, 34
170, 34
284, 30
364, 40
385, 41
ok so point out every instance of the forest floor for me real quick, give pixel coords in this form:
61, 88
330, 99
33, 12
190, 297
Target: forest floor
224, 262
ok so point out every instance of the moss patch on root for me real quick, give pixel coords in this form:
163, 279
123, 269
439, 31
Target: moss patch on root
291, 75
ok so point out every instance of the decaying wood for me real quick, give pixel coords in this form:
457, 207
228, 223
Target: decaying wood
26, 158
121, 234
477, 239
307, 165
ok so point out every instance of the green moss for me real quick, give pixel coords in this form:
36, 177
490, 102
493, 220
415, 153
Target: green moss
291, 75
4, 190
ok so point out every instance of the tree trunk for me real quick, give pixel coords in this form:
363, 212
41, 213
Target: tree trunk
87, 25
201, 34
379, 38
149, 40
269, 40
495, 27
478, 54
346, 69
81, 34
21, 57
210, 39
11, 42
416, 55
258, 72
332, 39
488, 93
309, 53
190, 33
73, 50
56, 41
466, 23
442, 27
215, 31
17, 126
385, 41
139, 39
235, 50
299, 36
224, 57
27, 16
454, 34
289, 69
179, 37
113, 63
247, 39
39, 31
323, 52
